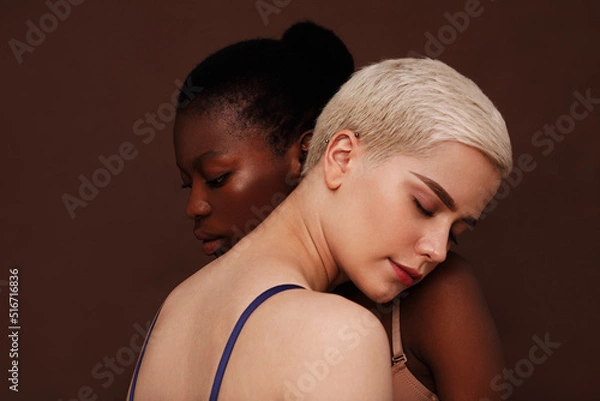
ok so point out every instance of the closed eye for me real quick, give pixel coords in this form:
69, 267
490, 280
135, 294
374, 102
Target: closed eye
429, 213
219, 181
424, 211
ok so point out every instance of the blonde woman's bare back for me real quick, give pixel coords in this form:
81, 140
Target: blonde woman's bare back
298, 344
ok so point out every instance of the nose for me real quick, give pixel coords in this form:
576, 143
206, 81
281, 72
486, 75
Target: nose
434, 245
197, 204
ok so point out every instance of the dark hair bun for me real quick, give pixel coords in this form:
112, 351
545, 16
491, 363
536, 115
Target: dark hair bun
279, 86
319, 50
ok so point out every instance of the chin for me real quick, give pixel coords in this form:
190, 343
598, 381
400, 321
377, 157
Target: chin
383, 295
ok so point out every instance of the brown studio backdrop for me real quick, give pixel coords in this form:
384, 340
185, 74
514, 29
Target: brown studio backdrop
88, 284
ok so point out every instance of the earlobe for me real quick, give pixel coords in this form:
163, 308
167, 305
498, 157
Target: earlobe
338, 157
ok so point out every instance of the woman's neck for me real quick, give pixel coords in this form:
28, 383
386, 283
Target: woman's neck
295, 227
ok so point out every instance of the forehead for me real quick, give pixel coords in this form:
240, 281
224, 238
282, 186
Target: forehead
462, 171
196, 134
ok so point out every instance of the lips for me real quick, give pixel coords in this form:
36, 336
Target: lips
406, 275
210, 243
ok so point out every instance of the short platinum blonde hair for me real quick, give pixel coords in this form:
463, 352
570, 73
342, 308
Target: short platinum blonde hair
409, 105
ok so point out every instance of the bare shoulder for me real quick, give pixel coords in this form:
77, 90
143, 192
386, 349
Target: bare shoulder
196, 291
448, 301
329, 319
322, 344
452, 280
447, 325
352, 343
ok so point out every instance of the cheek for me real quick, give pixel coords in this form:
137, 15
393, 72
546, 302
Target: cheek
269, 187
263, 187
393, 212
377, 220
249, 198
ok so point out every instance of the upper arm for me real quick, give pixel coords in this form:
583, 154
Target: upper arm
345, 355
457, 337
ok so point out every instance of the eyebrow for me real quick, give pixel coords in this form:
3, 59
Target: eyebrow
206, 155
444, 197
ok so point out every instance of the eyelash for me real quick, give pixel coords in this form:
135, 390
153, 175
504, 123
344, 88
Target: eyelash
218, 182
429, 213
215, 183
424, 211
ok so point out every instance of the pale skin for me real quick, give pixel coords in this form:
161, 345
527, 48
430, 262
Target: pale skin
344, 221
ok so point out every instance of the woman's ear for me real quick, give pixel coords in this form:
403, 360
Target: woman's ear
342, 150
297, 155
305, 141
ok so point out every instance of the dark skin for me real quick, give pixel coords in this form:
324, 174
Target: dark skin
447, 331
235, 183
456, 345
448, 334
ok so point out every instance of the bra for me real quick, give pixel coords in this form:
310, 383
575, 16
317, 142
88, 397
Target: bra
139, 362
406, 386
214, 392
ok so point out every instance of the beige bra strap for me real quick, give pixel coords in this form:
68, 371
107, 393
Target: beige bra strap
396, 336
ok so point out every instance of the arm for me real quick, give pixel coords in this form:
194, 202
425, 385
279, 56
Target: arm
453, 333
